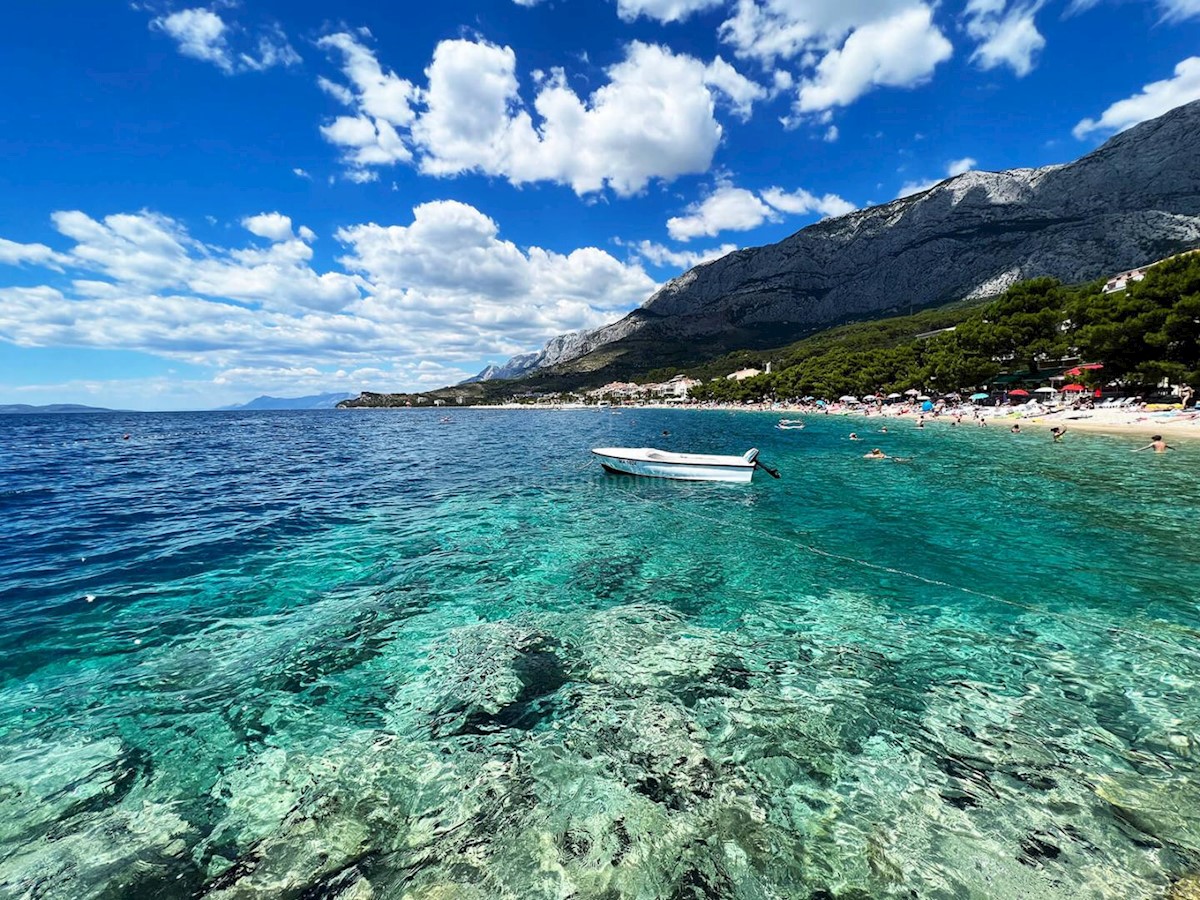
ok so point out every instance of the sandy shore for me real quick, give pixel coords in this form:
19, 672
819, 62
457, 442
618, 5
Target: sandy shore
1139, 424
1133, 423
1145, 424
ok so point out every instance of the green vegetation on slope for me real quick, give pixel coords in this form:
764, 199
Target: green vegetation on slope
1146, 333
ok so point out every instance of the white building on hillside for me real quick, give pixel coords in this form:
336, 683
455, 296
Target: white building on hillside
679, 386
743, 374
1122, 280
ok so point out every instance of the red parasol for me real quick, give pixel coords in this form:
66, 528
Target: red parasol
1019, 392
1074, 388
1086, 367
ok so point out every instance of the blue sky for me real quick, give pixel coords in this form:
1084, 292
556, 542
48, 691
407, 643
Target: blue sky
203, 203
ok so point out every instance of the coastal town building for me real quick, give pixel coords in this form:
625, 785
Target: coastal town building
1122, 280
743, 374
674, 389
679, 386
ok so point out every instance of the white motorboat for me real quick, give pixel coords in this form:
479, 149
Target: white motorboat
790, 424
681, 466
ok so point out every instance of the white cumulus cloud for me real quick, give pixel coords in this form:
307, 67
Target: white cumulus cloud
1153, 100
272, 226
426, 295
730, 208
801, 202
663, 10
838, 50
900, 51
14, 254
201, 33
661, 255
653, 119
1005, 34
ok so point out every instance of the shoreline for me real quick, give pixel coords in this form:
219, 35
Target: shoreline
1132, 424
1112, 422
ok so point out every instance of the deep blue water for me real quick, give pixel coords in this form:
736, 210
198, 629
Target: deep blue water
353, 654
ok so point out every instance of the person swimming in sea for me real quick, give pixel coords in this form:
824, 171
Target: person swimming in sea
854, 436
1157, 444
1016, 429
879, 454
1057, 433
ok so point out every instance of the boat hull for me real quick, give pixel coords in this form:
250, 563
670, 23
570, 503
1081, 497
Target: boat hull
740, 471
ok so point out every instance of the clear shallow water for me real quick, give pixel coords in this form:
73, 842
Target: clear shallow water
367, 655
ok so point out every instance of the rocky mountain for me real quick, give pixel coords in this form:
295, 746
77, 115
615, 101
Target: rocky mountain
514, 368
314, 401
1134, 200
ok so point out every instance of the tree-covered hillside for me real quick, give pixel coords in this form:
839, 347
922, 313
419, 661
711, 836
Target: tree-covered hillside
1142, 335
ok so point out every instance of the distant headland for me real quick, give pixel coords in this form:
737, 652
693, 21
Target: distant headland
18, 409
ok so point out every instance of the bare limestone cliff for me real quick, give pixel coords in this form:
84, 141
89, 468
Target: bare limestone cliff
1135, 199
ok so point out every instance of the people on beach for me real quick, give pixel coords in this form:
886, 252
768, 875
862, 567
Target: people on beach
1157, 444
1057, 432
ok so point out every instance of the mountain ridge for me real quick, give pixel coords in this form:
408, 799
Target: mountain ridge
1135, 198
312, 401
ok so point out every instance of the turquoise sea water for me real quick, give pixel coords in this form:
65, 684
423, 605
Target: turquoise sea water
365, 654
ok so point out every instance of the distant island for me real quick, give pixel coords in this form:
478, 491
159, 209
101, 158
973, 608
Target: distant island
313, 401
24, 409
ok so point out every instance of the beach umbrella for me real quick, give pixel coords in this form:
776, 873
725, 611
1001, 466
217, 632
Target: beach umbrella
922, 397
1019, 392
1086, 367
1074, 388
980, 396
847, 399
911, 392
1045, 390
926, 406
894, 396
